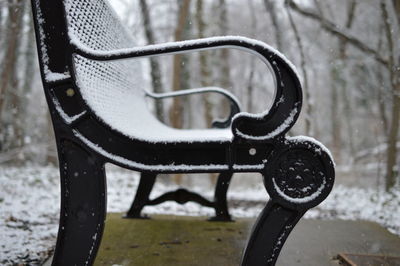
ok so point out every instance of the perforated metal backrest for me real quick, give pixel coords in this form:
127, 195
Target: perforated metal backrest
113, 90
94, 24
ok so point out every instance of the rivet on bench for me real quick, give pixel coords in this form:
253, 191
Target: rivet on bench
70, 92
252, 151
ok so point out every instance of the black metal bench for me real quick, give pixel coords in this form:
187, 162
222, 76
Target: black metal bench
99, 116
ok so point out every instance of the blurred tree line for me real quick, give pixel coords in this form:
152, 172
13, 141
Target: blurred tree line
346, 51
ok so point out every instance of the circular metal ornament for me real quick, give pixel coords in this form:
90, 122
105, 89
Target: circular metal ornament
299, 177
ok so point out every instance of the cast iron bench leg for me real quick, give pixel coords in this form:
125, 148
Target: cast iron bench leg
298, 177
220, 202
83, 206
143, 191
269, 234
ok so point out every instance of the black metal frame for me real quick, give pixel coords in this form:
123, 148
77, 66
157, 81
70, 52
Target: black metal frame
181, 196
298, 174
233, 102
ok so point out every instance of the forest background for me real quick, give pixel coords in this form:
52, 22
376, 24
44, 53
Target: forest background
346, 52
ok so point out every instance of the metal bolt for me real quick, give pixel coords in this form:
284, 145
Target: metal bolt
70, 92
252, 151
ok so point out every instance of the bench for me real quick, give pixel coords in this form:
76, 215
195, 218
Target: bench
100, 116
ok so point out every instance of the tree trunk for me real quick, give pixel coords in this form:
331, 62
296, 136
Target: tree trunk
335, 120
250, 86
1, 26
29, 73
15, 93
224, 55
204, 72
396, 5
391, 173
306, 89
224, 65
270, 6
10, 57
176, 110
155, 70
381, 99
348, 114
394, 70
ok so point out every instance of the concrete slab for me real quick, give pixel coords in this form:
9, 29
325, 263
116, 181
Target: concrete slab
174, 240
315, 242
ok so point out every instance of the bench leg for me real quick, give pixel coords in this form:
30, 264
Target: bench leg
220, 202
83, 205
269, 234
297, 178
143, 191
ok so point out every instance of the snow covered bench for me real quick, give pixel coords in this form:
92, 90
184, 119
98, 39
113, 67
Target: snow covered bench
99, 115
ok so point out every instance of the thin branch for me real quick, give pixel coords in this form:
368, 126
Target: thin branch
351, 14
333, 29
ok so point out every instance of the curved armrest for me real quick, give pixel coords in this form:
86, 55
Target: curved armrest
233, 102
258, 127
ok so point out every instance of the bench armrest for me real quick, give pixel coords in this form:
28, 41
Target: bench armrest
233, 102
264, 126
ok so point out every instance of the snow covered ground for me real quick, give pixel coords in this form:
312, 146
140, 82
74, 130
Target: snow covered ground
29, 205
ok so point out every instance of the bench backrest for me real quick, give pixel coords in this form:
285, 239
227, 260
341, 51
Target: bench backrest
111, 89
91, 23
94, 24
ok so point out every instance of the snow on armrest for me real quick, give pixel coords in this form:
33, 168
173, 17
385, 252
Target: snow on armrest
266, 125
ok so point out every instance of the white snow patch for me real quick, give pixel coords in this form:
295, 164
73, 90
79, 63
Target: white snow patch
117, 98
137, 165
302, 139
29, 207
48, 74
299, 200
75, 40
68, 119
281, 128
53, 76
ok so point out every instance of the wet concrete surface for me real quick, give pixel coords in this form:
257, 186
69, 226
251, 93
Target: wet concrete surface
174, 240
315, 242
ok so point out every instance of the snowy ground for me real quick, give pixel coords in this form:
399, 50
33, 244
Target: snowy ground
29, 205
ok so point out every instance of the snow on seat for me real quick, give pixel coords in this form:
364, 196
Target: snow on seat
114, 90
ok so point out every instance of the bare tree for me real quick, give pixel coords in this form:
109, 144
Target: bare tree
394, 70
339, 91
176, 110
382, 91
396, 5
307, 98
270, 6
331, 28
28, 54
155, 71
1, 24
224, 55
250, 80
204, 66
392, 65
15, 11
223, 65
